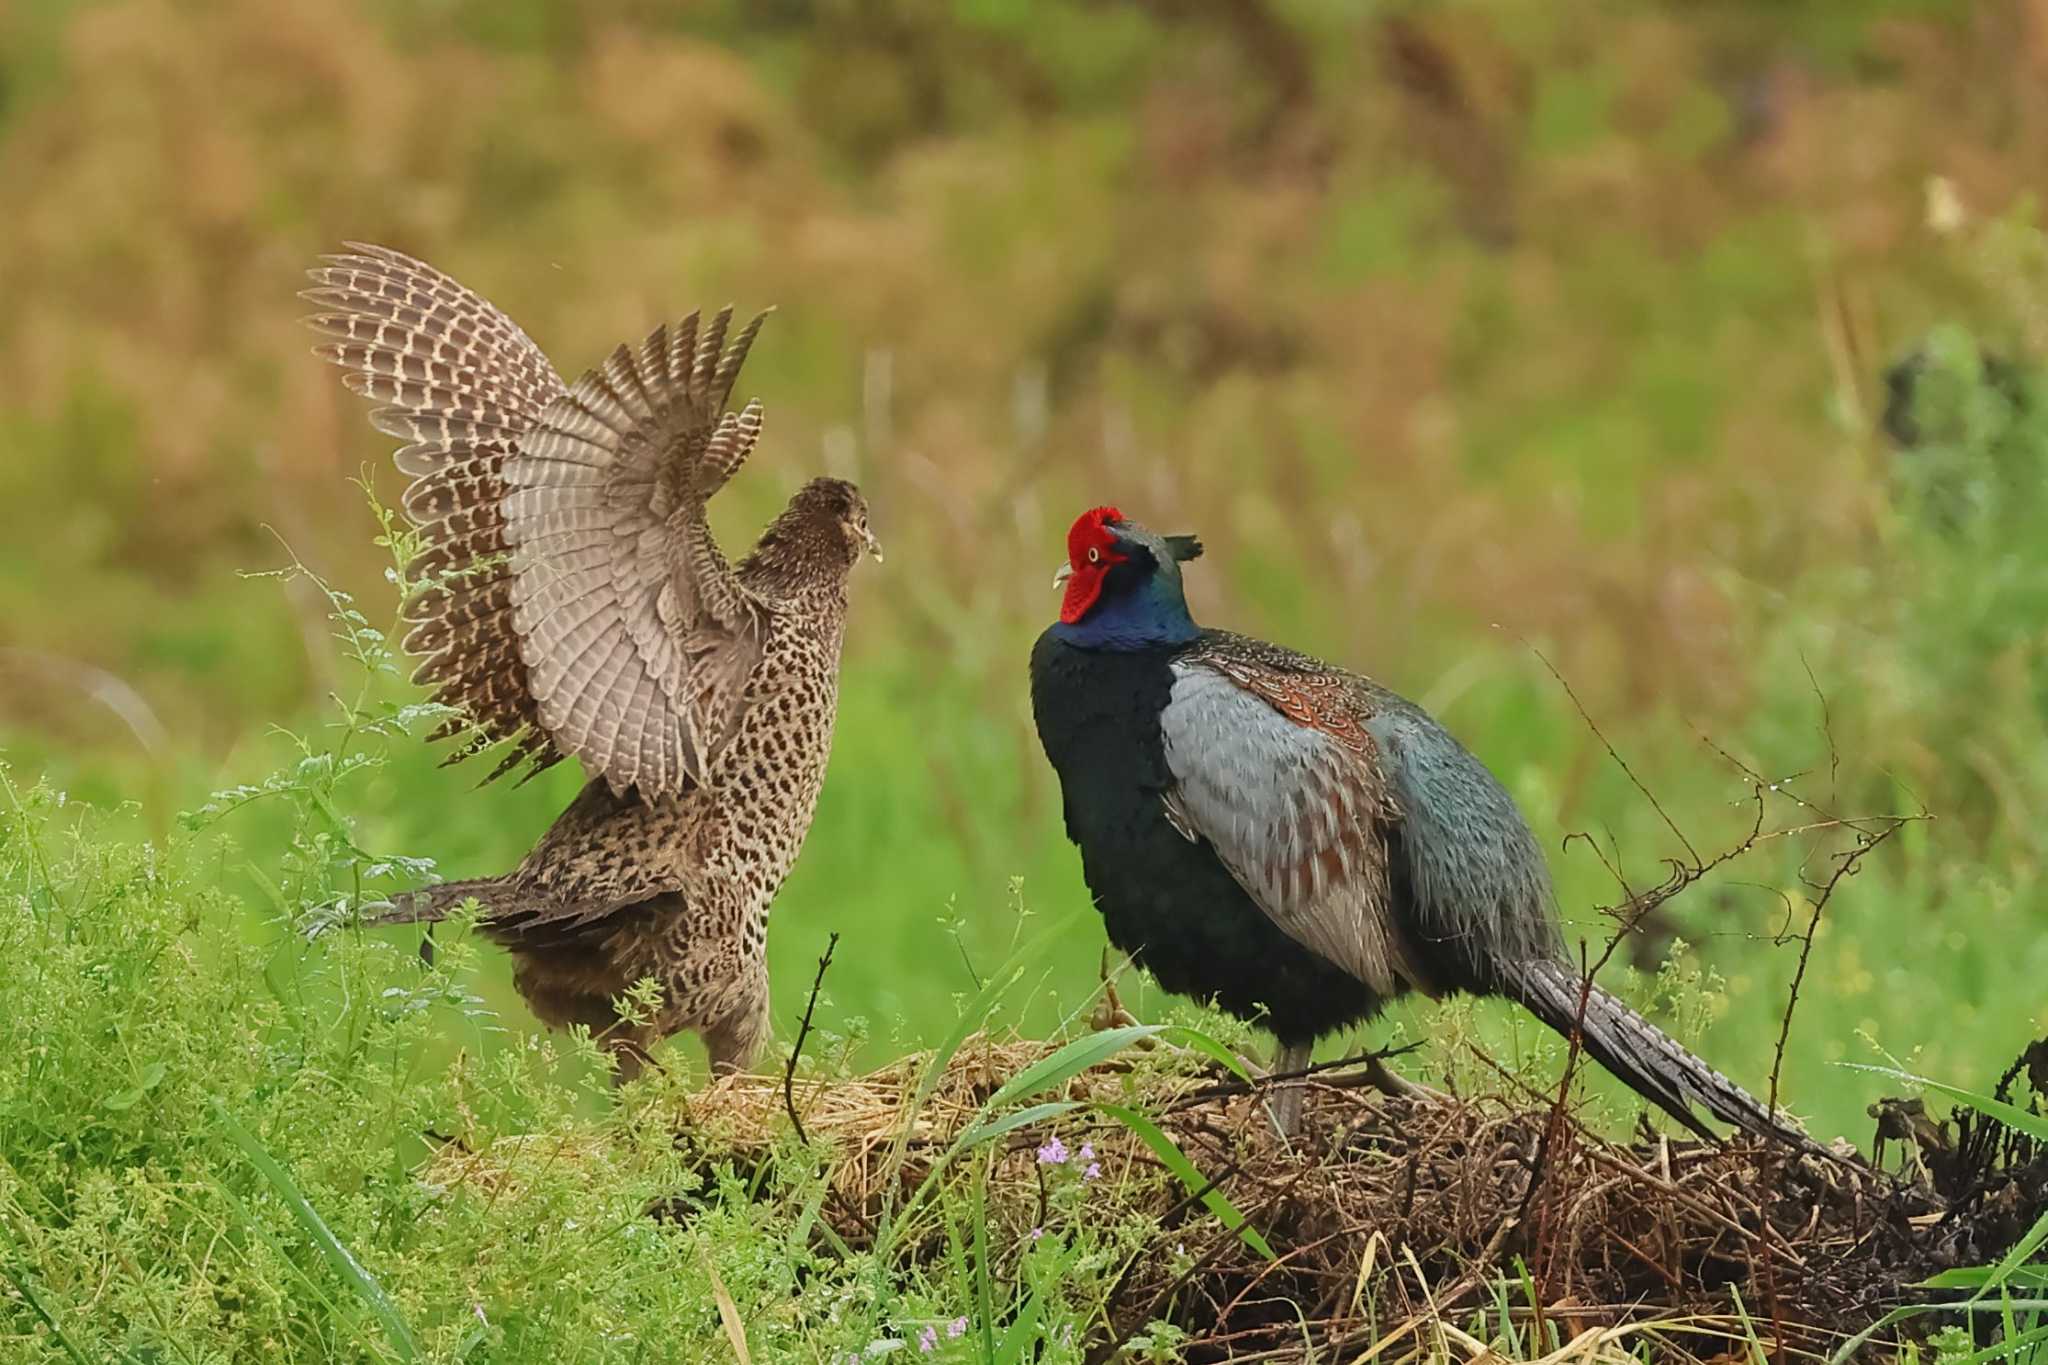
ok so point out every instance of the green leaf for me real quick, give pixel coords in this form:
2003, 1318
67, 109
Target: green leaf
1203, 1043
1176, 1161
1070, 1061
1006, 1123
338, 1256
1022, 1331
1971, 1276
152, 1076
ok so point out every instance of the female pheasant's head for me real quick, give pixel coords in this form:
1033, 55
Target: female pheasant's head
1122, 582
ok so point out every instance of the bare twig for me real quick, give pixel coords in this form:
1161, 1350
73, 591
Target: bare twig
803, 1031
1845, 864
1614, 753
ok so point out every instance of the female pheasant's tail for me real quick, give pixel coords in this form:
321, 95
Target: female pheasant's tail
433, 903
1653, 1063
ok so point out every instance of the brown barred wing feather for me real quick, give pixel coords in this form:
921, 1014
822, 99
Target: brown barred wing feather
573, 600
637, 635
460, 383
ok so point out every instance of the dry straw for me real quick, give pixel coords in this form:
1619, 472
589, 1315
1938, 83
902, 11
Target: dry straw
1397, 1224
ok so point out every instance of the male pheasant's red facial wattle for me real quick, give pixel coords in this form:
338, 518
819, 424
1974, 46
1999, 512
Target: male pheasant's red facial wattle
1091, 551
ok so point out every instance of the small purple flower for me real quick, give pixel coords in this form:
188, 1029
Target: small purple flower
1087, 1152
1053, 1153
1094, 1170
1037, 1233
928, 1339
957, 1327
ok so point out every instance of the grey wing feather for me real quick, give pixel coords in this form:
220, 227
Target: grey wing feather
637, 634
1292, 813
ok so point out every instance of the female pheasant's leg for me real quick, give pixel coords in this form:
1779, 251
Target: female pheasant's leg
563, 1006
1288, 1095
720, 991
736, 1040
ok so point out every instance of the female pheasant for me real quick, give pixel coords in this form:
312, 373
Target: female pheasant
575, 604
1297, 844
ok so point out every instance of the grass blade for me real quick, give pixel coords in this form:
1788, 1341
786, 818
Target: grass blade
1017, 1338
1848, 1349
984, 1292
2005, 1273
728, 1312
1971, 1276
1209, 1047
977, 1010
1175, 1160
1022, 1118
2013, 1344
1070, 1061
2033, 1125
25, 1286
338, 1256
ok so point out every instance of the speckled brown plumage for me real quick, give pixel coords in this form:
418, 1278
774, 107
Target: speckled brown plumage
575, 604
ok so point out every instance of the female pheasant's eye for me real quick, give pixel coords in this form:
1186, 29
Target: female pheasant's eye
1094, 555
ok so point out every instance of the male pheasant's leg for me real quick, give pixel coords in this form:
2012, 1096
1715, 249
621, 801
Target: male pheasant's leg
1288, 1095
1388, 1081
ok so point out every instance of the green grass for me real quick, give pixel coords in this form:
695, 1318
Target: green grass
1460, 332
213, 1123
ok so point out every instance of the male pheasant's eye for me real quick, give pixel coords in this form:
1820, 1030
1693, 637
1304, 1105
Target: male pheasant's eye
1094, 555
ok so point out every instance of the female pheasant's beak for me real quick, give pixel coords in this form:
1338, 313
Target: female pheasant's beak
1060, 577
874, 546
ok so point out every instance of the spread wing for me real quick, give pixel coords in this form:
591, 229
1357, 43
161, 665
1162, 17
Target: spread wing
579, 603
460, 383
637, 635
1273, 769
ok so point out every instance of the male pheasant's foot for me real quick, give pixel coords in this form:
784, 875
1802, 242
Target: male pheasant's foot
1287, 1096
1383, 1078
1109, 1011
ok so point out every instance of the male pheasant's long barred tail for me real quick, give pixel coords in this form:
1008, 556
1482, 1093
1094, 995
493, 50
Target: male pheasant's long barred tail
1653, 1063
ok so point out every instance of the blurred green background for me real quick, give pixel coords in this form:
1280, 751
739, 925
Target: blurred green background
1459, 331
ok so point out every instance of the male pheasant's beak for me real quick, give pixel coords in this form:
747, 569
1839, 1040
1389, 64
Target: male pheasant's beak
1059, 578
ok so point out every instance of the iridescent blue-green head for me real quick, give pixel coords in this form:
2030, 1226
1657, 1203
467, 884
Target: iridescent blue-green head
1123, 588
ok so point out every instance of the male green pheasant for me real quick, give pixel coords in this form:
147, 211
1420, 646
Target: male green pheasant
574, 604
1298, 845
